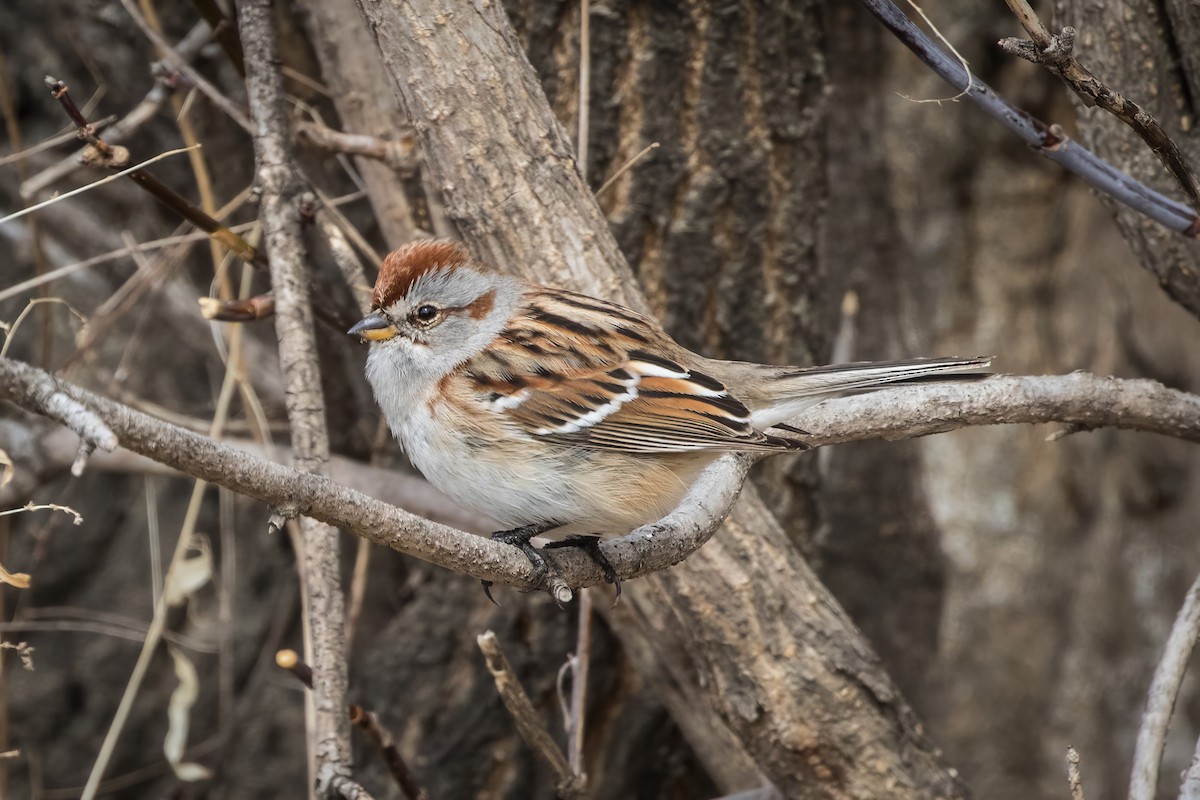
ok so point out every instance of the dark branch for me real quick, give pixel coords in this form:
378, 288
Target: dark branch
1048, 140
1056, 53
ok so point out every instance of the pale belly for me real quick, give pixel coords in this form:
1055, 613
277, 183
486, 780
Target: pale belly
585, 491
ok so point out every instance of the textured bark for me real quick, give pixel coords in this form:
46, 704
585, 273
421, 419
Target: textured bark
355, 75
1145, 50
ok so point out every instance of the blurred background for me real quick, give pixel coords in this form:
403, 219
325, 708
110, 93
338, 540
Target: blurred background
808, 201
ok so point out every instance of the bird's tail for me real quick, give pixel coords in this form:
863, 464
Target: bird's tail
789, 390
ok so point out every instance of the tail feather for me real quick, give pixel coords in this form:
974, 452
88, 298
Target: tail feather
794, 390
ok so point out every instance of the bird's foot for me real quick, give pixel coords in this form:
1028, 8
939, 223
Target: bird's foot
519, 538
591, 546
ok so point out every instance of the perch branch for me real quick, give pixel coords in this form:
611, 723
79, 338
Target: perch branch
895, 413
569, 785
1047, 140
1056, 53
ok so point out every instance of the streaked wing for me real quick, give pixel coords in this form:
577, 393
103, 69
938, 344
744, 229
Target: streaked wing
579, 371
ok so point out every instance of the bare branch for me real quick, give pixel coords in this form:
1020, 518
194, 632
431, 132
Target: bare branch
103, 154
1160, 700
1048, 140
569, 785
1056, 53
895, 413
142, 113
178, 62
398, 768
399, 155
280, 213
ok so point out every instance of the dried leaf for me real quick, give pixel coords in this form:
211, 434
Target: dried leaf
179, 717
186, 576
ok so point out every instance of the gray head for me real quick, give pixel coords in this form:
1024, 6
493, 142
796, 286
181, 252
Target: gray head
433, 308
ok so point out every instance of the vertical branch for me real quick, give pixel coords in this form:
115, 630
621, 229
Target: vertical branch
282, 190
1160, 700
577, 720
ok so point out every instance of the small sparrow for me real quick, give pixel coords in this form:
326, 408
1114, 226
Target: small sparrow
556, 413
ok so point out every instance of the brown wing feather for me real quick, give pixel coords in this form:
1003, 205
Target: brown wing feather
582, 372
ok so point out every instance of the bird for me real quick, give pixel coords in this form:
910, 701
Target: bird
566, 416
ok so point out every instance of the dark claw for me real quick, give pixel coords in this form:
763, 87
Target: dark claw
519, 538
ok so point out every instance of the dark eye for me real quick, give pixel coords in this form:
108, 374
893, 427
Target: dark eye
426, 313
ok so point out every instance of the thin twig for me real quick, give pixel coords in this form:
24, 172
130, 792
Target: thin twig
290, 660
1048, 140
398, 768
185, 68
110, 156
576, 720
153, 244
54, 141
580, 662
585, 87
181, 105
249, 309
58, 198
1160, 700
569, 785
399, 155
645, 151
143, 112
1074, 778
1056, 53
